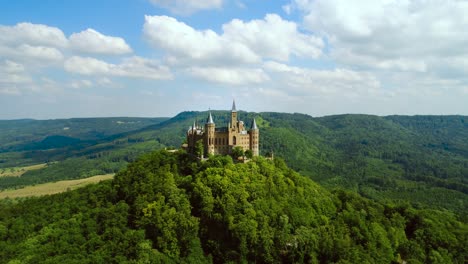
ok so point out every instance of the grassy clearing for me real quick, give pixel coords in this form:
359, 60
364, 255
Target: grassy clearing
18, 171
53, 187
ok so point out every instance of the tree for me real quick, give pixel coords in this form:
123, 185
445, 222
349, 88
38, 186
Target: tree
199, 149
249, 154
237, 152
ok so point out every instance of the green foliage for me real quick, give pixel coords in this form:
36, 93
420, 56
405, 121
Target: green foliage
248, 154
171, 208
237, 152
199, 149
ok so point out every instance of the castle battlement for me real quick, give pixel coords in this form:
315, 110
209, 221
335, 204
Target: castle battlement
223, 140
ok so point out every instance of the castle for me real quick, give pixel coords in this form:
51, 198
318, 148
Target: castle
223, 140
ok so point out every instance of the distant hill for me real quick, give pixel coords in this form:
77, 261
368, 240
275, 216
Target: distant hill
23, 138
171, 208
17, 134
417, 159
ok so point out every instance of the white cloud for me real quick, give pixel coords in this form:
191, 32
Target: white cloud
391, 34
12, 67
86, 65
230, 76
274, 38
97, 82
33, 34
12, 73
40, 53
39, 56
188, 6
77, 84
138, 67
339, 81
135, 67
13, 77
91, 41
40, 45
187, 44
240, 43
34, 45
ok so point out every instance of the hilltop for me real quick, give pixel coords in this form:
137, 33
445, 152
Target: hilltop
168, 208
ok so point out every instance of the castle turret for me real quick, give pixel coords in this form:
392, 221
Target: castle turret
209, 135
233, 115
254, 138
191, 138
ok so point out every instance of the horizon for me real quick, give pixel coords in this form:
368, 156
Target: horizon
155, 58
218, 110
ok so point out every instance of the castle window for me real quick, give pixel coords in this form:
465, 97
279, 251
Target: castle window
234, 140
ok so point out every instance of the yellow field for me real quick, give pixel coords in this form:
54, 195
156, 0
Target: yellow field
18, 171
54, 187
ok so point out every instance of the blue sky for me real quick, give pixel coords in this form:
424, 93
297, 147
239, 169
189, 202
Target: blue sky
61, 59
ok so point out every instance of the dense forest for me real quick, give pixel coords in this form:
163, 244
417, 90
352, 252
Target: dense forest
171, 208
418, 159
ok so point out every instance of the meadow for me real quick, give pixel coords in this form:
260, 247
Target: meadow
53, 187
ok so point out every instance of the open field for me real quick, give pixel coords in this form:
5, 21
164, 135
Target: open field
18, 171
54, 187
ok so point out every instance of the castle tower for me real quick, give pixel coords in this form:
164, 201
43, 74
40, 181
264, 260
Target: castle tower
192, 138
254, 138
209, 135
233, 115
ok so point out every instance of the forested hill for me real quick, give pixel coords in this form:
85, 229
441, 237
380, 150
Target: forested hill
31, 134
421, 159
418, 159
170, 208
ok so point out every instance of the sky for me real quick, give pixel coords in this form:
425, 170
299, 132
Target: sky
156, 58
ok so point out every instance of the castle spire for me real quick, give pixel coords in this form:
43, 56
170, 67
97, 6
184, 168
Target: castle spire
254, 125
234, 106
210, 119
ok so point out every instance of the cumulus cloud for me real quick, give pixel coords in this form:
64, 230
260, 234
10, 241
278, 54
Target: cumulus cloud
240, 43
35, 44
274, 38
39, 56
230, 76
91, 41
339, 81
186, 7
392, 35
40, 52
186, 43
40, 46
33, 34
135, 67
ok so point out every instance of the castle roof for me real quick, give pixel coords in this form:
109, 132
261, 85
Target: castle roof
210, 119
234, 106
254, 125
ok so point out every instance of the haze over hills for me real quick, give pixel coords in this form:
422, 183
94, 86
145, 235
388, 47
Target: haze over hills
421, 159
